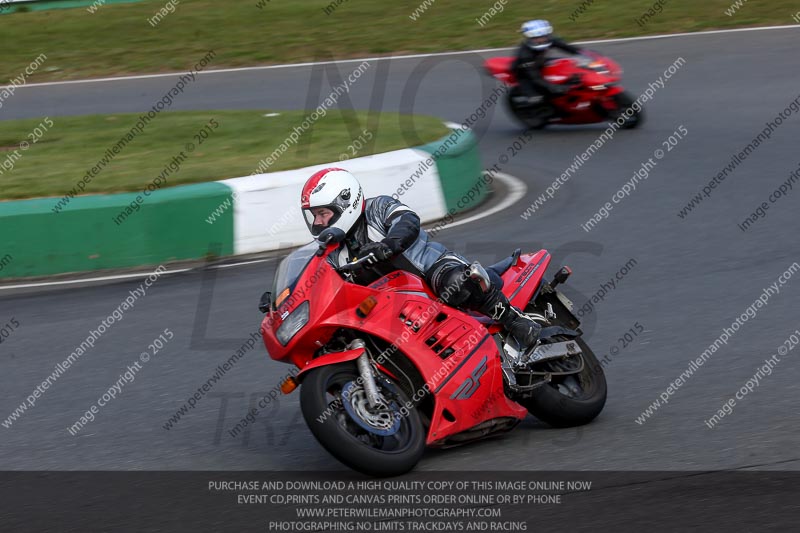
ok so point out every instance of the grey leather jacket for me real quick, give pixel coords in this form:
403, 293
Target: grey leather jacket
394, 223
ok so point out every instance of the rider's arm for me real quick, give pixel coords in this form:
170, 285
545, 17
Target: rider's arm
565, 46
401, 224
535, 79
404, 229
523, 56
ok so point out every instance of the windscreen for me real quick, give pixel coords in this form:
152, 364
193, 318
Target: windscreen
292, 266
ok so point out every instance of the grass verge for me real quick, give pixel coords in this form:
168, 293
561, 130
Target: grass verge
120, 39
40, 158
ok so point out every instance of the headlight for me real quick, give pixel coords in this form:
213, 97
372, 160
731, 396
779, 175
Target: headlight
293, 323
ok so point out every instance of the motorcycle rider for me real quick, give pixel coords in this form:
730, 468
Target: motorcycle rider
391, 232
531, 57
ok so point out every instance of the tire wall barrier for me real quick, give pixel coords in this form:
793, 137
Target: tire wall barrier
460, 170
168, 226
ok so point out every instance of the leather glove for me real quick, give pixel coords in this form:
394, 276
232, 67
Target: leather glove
379, 250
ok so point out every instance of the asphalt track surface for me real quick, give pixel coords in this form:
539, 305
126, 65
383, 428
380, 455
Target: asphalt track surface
692, 277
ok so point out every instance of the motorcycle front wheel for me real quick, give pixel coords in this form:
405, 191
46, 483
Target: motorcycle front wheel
385, 440
632, 120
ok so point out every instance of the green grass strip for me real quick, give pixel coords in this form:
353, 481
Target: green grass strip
42, 160
118, 39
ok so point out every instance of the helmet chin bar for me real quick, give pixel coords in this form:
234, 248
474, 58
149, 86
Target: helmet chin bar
539, 43
316, 229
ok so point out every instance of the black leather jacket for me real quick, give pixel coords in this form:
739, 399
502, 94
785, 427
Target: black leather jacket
528, 66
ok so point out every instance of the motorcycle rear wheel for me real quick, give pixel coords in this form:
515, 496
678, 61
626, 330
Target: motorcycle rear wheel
573, 400
348, 439
534, 117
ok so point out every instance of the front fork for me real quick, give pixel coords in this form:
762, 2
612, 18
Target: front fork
365, 372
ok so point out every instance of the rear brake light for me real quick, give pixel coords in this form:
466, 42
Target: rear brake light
561, 276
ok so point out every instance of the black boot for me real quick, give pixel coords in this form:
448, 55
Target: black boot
521, 328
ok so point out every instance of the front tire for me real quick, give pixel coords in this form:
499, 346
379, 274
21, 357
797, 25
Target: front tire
573, 400
623, 101
380, 442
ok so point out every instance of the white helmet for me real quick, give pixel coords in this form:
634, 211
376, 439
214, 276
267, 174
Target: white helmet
335, 189
538, 34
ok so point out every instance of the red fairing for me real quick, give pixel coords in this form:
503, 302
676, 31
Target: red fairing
469, 390
330, 359
500, 68
453, 351
560, 70
522, 280
402, 281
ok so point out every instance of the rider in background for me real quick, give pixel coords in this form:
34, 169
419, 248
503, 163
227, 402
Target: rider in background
391, 232
531, 58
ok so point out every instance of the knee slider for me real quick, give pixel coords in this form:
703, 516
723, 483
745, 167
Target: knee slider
453, 285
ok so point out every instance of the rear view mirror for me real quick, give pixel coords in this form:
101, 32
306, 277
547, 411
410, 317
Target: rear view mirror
266, 302
330, 235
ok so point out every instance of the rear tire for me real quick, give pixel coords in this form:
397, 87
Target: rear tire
551, 404
534, 117
346, 438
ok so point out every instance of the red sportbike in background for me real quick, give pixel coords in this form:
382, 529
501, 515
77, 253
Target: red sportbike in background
595, 94
388, 369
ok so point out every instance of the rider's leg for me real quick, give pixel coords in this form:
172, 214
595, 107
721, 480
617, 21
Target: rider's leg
529, 93
451, 281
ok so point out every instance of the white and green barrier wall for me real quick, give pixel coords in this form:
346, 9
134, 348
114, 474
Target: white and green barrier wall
228, 217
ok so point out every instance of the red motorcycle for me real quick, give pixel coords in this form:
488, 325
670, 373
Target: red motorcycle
594, 95
388, 369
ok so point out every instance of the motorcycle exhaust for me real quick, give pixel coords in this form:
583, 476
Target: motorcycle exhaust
557, 350
544, 352
522, 379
